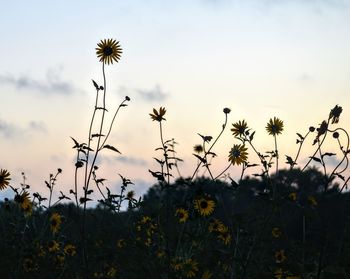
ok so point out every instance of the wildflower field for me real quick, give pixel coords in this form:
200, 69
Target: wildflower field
275, 223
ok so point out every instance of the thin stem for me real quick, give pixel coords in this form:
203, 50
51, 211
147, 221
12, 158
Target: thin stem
165, 152
210, 148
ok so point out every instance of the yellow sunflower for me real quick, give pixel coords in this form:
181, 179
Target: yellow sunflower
274, 126
239, 128
238, 154
158, 116
207, 275
22, 199
190, 268
4, 179
225, 236
204, 206
292, 196
216, 226
182, 214
69, 250
55, 222
312, 201
27, 207
53, 246
280, 256
276, 232
108, 51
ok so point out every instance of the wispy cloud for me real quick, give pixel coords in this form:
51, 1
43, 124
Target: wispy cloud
51, 84
147, 95
155, 94
11, 131
131, 161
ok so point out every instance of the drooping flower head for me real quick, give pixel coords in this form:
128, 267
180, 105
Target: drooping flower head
274, 126
238, 154
4, 179
239, 128
158, 116
108, 51
198, 148
335, 113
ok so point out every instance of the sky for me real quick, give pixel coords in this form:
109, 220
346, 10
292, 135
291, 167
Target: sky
260, 58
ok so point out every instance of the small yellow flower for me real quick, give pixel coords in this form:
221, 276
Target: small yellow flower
55, 222
158, 116
312, 201
207, 275
225, 236
121, 243
108, 51
292, 196
239, 128
160, 254
69, 250
280, 256
204, 206
53, 246
4, 179
216, 226
111, 272
274, 126
27, 207
238, 154
146, 220
190, 268
182, 214
276, 232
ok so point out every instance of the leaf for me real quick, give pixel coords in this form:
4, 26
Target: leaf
76, 144
316, 159
110, 147
328, 154
84, 200
251, 136
100, 180
290, 161
97, 135
200, 158
340, 176
123, 105
95, 84
300, 136
101, 108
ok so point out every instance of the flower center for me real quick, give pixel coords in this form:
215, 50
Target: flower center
107, 51
236, 153
204, 204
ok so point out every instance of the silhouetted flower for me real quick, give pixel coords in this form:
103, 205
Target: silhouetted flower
274, 126
207, 275
121, 243
227, 110
108, 51
182, 214
4, 179
198, 148
130, 195
216, 226
239, 128
321, 130
190, 268
225, 235
238, 154
335, 135
204, 206
158, 116
335, 113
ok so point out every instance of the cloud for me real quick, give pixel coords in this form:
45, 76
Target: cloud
52, 84
12, 131
155, 94
131, 161
122, 159
305, 78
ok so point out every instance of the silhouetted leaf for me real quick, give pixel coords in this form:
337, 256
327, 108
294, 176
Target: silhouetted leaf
95, 84
200, 158
84, 200
251, 137
97, 135
290, 161
111, 148
316, 159
300, 136
76, 144
328, 154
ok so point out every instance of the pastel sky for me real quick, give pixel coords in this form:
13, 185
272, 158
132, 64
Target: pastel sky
260, 58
